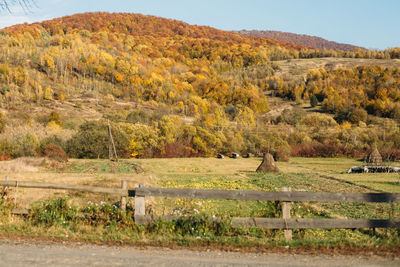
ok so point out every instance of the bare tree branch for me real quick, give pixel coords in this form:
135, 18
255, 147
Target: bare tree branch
26, 5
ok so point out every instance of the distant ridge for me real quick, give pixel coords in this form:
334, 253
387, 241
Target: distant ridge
301, 39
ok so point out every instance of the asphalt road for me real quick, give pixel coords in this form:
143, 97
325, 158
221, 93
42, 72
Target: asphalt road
58, 254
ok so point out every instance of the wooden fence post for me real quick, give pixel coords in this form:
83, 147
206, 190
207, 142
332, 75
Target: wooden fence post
5, 189
124, 186
286, 214
140, 206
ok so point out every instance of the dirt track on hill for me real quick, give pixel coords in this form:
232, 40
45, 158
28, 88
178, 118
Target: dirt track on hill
76, 254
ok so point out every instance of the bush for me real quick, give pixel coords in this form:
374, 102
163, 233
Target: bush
318, 120
354, 115
317, 150
51, 140
281, 154
59, 212
140, 116
390, 154
313, 101
55, 152
106, 214
25, 146
52, 212
5, 157
329, 150
91, 141
5, 147
3, 122
291, 116
116, 116
55, 117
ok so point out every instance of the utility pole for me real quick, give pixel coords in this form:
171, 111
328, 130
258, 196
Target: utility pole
112, 152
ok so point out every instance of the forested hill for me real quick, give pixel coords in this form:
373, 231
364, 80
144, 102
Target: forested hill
137, 25
301, 39
171, 89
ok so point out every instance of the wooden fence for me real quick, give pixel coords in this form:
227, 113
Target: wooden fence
286, 197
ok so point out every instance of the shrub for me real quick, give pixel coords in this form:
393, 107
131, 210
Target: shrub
291, 116
315, 150
3, 122
55, 152
201, 226
281, 154
55, 117
232, 111
52, 212
116, 116
145, 137
354, 115
25, 146
106, 214
5, 147
179, 150
318, 120
390, 154
313, 101
51, 140
329, 150
5, 157
139, 116
91, 141
358, 115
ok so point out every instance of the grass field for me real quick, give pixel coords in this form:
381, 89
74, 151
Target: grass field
301, 174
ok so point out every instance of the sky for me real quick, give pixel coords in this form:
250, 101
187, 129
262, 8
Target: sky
373, 24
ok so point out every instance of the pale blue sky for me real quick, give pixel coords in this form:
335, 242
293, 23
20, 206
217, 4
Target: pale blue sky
367, 23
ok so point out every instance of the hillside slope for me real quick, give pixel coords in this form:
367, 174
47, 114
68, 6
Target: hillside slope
175, 90
301, 39
137, 25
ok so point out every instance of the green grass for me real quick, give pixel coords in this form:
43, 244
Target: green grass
101, 166
313, 175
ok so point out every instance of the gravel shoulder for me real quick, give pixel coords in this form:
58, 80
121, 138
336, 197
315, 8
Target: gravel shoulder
14, 253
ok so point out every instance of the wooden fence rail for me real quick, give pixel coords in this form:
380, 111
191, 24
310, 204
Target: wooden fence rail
287, 223
215, 194
82, 188
266, 196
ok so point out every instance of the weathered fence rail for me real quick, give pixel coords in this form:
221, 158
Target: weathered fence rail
266, 196
287, 223
81, 188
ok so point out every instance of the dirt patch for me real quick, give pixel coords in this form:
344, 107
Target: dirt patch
27, 164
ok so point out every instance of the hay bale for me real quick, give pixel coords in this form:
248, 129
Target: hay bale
268, 164
374, 157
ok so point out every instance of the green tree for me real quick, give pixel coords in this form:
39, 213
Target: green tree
91, 141
25, 146
313, 101
3, 122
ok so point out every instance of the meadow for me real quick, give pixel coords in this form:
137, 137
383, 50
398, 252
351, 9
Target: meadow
54, 212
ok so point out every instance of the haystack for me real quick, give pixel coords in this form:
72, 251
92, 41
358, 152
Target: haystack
374, 157
268, 164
